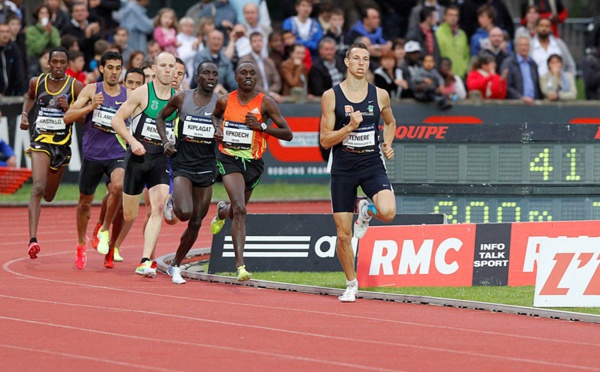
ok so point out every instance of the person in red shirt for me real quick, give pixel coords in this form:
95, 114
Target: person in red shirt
483, 78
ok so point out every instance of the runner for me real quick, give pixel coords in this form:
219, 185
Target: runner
350, 127
240, 118
193, 157
102, 153
50, 148
145, 163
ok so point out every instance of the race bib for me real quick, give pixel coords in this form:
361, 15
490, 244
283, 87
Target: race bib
360, 141
198, 129
101, 118
50, 120
150, 133
237, 136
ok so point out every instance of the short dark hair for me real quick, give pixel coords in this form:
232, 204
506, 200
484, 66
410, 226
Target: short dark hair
552, 56
255, 34
355, 45
59, 49
135, 70
204, 63
110, 56
68, 40
74, 54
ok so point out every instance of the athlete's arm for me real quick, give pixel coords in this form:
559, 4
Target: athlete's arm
28, 102
217, 116
63, 101
175, 103
389, 123
282, 131
80, 107
328, 136
133, 103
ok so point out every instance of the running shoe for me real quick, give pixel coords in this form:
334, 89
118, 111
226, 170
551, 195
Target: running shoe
362, 222
350, 293
103, 238
33, 250
109, 261
81, 259
217, 224
117, 256
95, 239
147, 269
176, 275
242, 274
168, 213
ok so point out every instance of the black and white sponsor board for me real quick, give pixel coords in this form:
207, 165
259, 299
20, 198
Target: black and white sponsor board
292, 242
492, 251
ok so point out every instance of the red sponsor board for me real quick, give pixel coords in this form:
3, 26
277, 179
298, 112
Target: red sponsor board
525, 244
408, 256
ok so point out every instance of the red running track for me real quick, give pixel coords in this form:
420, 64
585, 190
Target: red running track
54, 317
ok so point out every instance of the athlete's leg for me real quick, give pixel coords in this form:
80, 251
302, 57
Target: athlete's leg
83, 216
385, 204
131, 206
201, 203
235, 186
343, 224
148, 210
114, 199
158, 195
183, 202
54, 178
40, 167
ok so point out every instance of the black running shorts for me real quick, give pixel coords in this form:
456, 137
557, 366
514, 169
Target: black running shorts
147, 170
92, 171
60, 155
344, 187
251, 169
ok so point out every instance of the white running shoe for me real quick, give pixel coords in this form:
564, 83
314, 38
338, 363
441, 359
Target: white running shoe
170, 270
176, 275
350, 293
362, 222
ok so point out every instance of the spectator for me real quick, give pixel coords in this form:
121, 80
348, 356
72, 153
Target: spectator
121, 38
76, 66
69, 42
453, 88
423, 34
194, 11
485, 16
528, 26
41, 35
135, 59
554, 10
544, 44
415, 13
205, 26
275, 47
254, 23
307, 30
484, 78
468, 16
213, 52
591, 73
269, 81
388, 76
293, 71
452, 42
262, 14
59, 15
17, 36
328, 69
427, 83
12, 70
411, 64
165, 30
152, 49
223, 14
102, 10
137, 23
239, 43
289, 41
398, 49
336, 30
41, 65
522, 78
557, 84
369, 26
189, 43
7, 155
87, 30
496, 47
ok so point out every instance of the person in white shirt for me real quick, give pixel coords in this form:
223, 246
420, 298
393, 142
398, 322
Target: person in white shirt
545, 44
189, 44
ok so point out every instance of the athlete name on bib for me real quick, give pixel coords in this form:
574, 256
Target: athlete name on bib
361, 140
50, 120
237, 136
101, 118
198, 129
150, 133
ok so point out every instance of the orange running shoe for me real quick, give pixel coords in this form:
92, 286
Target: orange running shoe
33, 250
109, 259
81, 256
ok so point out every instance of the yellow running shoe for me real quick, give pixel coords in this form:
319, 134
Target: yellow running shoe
117, 256
103, 238
217, 224
242, 274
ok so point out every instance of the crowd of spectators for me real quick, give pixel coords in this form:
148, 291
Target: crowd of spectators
430, 50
